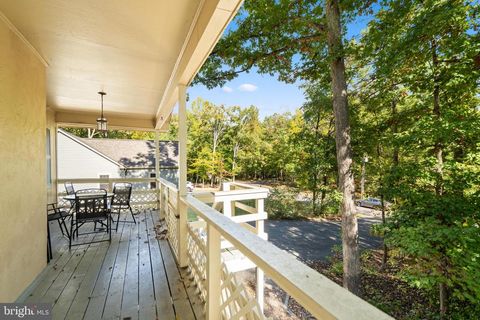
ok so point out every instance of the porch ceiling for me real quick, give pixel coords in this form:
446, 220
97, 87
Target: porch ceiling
136, 51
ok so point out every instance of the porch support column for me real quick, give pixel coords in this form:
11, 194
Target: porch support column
182, 174
157, 169
182, 139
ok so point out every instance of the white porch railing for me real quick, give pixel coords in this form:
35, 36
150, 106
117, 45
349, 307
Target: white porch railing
203, 246
143, 196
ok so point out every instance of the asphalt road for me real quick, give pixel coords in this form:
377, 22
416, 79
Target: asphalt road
312, 240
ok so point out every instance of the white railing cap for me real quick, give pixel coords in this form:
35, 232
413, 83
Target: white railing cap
318, 294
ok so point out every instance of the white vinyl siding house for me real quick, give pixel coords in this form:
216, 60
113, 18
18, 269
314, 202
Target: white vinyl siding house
80, 158
76, 160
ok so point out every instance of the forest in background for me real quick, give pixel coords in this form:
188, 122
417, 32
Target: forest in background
414, 125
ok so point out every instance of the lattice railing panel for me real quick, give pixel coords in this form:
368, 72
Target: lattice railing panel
197, 260
140, 199
236, 302
144, 199
172, 229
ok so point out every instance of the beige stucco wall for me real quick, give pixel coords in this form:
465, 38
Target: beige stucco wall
23, 191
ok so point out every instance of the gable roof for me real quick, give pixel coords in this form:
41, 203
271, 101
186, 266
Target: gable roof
80, 142
131, 153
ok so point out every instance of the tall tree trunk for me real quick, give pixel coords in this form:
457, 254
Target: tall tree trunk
438, 151
91, 133
351, 259
395, 156
322, 196
234, 161
316, 172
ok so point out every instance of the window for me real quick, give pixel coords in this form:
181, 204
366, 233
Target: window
153, 185
49, 159
104, 185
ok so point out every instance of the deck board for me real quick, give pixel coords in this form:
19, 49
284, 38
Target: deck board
146, 290
96, 300
130, 286
163, 299
132, 277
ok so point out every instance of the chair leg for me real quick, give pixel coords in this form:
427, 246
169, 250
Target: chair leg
65, 227
118, 219
60, 225
49, 244
71, 234
131, 211
109, 226
112, 220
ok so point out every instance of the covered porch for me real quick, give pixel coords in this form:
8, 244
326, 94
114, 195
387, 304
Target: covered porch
55, 57
132, 277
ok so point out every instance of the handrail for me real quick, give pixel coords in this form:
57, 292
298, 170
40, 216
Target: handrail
240, 192
167, 184
245, 185
104, 180
322, 297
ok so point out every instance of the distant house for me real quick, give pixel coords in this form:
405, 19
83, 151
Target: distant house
113, 158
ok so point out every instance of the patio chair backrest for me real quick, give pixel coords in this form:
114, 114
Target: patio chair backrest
91, 203
122, 193
52, 208
69, 188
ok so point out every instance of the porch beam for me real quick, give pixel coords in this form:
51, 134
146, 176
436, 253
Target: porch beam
210, 21
115, 121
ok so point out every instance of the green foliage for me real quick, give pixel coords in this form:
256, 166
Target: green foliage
282, 204
417, 117
413, 90
414, 95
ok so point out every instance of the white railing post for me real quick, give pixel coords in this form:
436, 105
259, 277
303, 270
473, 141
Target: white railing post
227, 204
157, 164
214, 273
260, 224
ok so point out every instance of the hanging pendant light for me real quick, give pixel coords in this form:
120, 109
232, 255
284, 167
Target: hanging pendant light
102, 125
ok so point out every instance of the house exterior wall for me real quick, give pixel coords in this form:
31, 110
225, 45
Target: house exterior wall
76, 161
23, 199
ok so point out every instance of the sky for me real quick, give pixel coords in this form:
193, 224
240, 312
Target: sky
261, 90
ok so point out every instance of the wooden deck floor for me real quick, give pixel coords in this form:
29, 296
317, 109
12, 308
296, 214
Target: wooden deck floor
132, 277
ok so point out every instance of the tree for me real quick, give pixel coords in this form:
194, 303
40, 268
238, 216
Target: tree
245, 130
426, 51
315, 160
298, 40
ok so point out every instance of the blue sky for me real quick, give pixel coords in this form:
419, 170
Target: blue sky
263, 91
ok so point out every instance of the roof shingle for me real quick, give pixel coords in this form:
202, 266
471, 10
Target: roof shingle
136, 153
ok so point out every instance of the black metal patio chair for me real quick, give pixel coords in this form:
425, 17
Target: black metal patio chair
122, 193
91, 206
69, 188
55, 213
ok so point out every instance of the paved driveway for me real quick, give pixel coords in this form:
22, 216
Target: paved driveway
312, 240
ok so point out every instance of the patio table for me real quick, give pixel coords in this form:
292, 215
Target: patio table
71, 197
